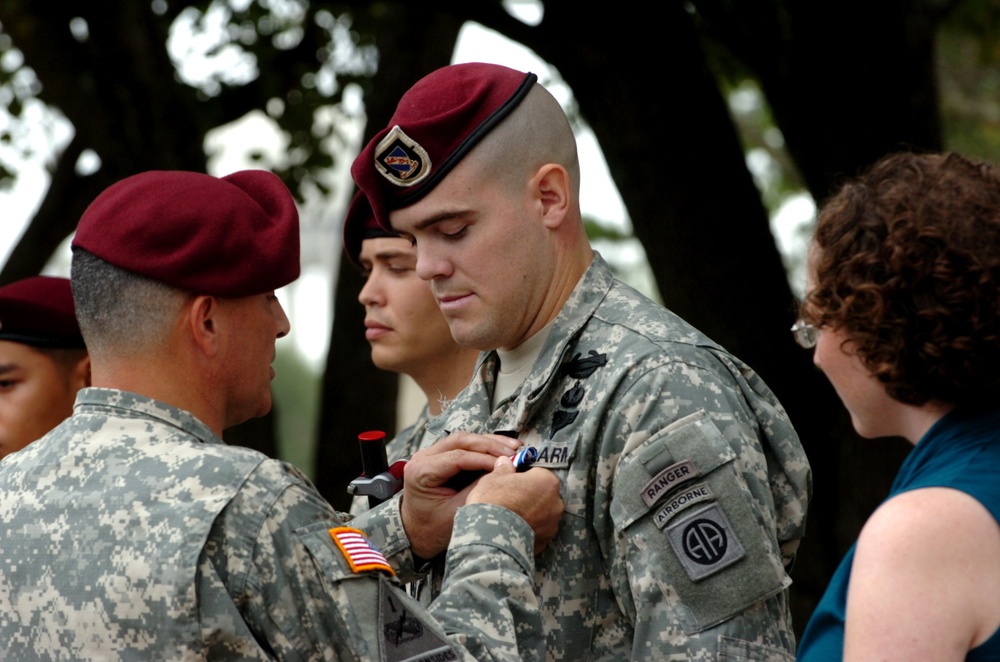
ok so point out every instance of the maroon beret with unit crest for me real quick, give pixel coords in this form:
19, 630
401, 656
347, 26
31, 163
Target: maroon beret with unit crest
229, 236
437, 122
360, 225
39, 311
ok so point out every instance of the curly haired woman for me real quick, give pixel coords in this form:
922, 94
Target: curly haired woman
903, 307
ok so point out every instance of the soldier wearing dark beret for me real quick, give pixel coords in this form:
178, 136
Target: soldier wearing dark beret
403, 325
685, 483
43, 361
131, 531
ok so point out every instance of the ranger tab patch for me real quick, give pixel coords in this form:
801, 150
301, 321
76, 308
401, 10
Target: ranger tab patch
361, 555
400, 159
705, 542
667, 480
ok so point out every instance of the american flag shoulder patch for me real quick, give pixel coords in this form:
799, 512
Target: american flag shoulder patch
361, 555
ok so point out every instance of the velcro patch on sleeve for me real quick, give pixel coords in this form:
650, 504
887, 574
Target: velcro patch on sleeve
405, 636
361, 555
705, 542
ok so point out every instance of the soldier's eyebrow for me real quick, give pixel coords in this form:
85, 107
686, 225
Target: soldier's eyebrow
393, 253
8, 367
441, 217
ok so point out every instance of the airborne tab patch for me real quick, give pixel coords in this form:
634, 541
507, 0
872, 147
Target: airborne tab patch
400, 159
705, 542
681, 501
361, 555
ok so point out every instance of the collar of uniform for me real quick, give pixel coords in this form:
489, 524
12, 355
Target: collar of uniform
583, 301
128, 404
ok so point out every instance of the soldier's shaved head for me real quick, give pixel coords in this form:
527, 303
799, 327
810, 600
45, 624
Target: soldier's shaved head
535, 134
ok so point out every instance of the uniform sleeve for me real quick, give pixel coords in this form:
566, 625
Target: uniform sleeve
383, 525
695, 559
488, 601
315, 589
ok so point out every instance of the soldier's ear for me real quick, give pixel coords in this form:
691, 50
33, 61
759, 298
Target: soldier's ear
203, 321
551, 184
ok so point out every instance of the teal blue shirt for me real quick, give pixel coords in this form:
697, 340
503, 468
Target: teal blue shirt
962, 452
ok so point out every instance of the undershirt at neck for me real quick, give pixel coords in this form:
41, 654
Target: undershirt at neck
515, 365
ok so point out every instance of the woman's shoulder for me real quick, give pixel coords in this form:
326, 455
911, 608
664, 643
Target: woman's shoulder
926, 572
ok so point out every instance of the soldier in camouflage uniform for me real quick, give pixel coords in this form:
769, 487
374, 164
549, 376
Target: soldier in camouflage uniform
685, 485
403, 325
132, 532
407, 334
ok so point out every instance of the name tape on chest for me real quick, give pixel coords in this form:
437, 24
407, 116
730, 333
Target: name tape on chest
361, 555
705, 542
555, 456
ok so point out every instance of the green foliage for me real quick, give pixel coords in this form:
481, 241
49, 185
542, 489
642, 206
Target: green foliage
599, 230
968, 68
296, 390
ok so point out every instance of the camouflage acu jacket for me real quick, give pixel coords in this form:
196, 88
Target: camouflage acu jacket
131, 532
685, 485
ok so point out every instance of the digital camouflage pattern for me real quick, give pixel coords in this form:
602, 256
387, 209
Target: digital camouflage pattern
132, 532
685, 485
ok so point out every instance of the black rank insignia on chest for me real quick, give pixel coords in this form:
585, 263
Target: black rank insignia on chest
579, 368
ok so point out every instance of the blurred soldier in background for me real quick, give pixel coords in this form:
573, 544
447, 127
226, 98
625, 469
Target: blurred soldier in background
43, 361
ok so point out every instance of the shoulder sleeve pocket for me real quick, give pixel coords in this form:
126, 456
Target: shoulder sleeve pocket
692, 527
377, 620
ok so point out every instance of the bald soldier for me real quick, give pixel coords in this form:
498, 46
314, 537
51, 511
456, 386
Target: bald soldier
685, 485
43, 361
131, 531
406, 330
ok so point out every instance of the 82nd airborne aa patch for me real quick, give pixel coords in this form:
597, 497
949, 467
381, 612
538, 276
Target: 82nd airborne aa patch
705, 542
400, 159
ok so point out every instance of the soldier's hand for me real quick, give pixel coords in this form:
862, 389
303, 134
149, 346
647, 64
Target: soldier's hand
429, 504
534, 495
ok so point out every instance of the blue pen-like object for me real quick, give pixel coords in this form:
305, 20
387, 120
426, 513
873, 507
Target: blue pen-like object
524, 458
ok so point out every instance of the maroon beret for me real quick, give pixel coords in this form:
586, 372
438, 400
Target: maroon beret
437, 122
360, 225
229, 236
39, 311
